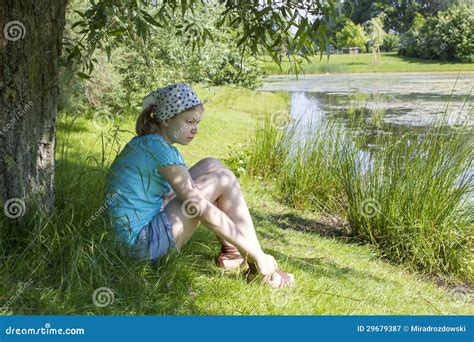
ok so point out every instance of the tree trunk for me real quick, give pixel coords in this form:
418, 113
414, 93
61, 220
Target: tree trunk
30, 43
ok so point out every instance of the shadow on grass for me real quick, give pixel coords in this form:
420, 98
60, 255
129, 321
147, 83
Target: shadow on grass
324, 227
328, 269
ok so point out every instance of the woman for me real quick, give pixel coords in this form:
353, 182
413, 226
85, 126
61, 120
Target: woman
158, 202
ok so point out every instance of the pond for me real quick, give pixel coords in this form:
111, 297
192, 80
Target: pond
407, 99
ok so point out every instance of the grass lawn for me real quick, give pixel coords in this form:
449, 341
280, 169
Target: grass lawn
67, 261
390, 62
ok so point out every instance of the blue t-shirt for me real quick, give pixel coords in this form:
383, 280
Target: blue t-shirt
135, 186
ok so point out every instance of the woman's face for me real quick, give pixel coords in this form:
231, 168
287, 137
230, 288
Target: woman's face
182, 128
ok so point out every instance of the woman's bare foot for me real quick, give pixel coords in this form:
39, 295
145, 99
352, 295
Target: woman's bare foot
230, 259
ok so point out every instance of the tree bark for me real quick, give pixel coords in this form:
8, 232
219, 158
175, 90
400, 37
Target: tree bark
30, 43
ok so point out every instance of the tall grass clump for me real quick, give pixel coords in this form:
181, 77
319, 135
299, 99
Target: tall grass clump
411, 200
408, 195
309, 180
272, 145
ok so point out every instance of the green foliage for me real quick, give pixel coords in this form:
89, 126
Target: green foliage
400, 14
375, 30
352, 35
238, 159
411, 201
409, 41
106, 24
391, 42
137, 68
448, 36
272, 145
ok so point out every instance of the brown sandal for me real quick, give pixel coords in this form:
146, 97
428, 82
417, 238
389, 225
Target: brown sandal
230, 253
286, 278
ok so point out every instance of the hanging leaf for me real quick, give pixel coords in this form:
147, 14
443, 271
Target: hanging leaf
83, 75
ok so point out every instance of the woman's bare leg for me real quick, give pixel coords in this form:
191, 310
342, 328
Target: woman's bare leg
222, 187
202, 167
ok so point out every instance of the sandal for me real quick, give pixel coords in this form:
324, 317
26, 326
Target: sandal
227, 256
286, 279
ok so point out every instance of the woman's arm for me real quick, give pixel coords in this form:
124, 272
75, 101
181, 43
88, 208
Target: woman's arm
168, 197
214, 218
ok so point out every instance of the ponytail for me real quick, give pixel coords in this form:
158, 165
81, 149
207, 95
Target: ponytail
145, 123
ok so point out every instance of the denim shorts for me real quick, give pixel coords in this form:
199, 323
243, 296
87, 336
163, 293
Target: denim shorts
155, 239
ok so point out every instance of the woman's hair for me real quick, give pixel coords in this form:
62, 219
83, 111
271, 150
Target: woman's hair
146, 124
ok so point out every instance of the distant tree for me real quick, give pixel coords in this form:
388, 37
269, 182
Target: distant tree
446, 36
376, 34
409, 41
390, 43
352, 35
400, 13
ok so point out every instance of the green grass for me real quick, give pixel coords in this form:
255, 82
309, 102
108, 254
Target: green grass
63, 260
390, 62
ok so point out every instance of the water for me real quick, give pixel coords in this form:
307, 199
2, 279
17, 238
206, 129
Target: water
407, 99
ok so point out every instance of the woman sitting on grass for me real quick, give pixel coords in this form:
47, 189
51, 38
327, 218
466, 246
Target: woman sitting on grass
158, 202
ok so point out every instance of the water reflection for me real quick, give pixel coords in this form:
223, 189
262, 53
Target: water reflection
414, 99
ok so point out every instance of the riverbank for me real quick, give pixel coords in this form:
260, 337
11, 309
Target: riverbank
362, 63
65, 260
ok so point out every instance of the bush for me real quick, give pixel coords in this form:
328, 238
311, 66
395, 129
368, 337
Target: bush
391, 42
448, 36
102, 93
168, 58
409, 41
352, 35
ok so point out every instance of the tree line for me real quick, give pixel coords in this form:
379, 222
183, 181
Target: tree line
426, 29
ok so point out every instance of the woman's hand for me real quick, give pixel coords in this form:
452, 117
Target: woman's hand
267, 265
